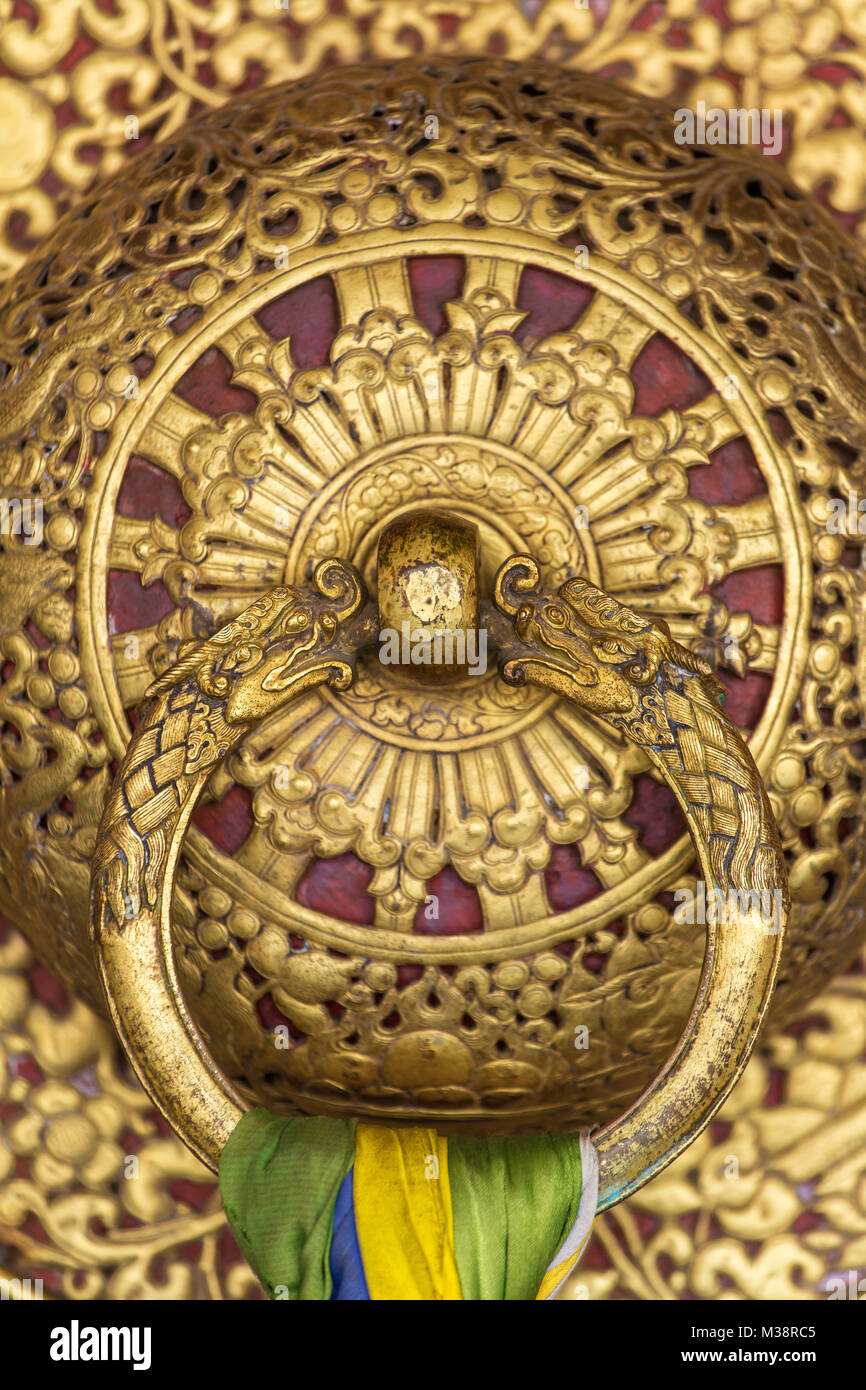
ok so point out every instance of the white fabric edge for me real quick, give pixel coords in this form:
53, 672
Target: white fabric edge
583, 1222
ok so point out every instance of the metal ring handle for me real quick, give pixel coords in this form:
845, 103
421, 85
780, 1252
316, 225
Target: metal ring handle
609, 660
627, 669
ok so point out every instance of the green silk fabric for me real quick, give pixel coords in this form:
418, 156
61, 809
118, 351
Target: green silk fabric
514, 1202
279, 1180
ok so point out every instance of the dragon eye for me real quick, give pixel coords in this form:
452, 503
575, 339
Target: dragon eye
555, 616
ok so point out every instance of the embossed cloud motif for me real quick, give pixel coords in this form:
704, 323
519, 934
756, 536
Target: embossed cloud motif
813, 770
698, 751
628, 669
431, 339
280, 646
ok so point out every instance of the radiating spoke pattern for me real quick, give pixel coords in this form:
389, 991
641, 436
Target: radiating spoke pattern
538, 442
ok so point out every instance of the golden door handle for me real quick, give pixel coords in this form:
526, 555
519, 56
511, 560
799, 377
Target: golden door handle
627, 669
579, 641
283, 645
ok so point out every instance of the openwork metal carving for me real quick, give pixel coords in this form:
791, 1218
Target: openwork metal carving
707, 266
599, 655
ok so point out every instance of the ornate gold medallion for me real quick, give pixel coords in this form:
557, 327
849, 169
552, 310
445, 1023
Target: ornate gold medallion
163, 334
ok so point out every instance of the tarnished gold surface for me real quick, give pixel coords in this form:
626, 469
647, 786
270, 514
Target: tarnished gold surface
787, 1218
174, 58
599, 655
426, 582
288, 642
95, 1197
783, 1264
537, 443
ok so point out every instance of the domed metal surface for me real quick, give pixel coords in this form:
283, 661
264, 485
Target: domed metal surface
296, 322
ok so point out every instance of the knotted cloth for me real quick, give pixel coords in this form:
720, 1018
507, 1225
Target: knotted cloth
330, 1209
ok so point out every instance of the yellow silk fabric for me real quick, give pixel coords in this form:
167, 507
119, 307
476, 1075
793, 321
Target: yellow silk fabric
403, 1214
